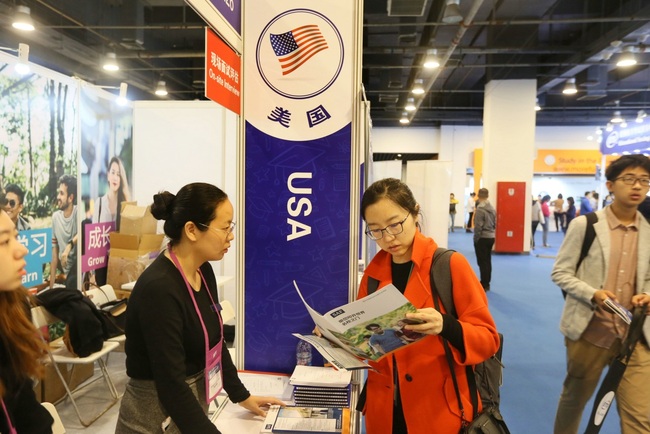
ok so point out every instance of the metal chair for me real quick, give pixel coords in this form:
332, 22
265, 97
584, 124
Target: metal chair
57, 425
41, 317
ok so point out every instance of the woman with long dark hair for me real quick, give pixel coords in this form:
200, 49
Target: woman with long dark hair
20, 347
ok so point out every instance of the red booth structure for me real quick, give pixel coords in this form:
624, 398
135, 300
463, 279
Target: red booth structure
511, 203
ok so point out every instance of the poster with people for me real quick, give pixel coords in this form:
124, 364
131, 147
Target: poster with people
106, 161
38, 177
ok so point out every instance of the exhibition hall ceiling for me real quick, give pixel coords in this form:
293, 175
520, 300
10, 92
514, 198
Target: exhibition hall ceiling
554, 42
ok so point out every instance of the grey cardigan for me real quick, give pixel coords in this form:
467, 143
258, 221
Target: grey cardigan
581, 285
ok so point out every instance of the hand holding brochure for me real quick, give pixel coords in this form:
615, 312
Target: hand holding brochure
368, 328
619, 310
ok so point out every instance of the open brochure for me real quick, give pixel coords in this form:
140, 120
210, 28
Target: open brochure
306, 420
368, 328
619, 310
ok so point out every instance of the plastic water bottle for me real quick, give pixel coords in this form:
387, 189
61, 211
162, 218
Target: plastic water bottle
303, 353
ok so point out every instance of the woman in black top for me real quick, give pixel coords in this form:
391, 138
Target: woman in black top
171, 309
20, 348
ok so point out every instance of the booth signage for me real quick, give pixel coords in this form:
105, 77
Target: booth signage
224, 16
635, 137
39, 245
97, 245
298, 105
222, 72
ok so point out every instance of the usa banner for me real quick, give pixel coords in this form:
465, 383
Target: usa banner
299, 95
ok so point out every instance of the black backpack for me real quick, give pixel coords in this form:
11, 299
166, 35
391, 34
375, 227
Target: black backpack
489, 374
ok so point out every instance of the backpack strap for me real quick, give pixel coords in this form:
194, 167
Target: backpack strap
587, 241
441, 278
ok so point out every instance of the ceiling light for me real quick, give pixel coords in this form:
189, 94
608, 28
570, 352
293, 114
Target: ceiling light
410, 105
161, 88
23, 19
452, 12
404, 119
22, 67
121, 99
537, 106
590, 138
570, 87
418, 89
110, 62
627, 57
431, 61
617, 119
640, 116
609, 128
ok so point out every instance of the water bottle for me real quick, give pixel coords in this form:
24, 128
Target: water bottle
303, 353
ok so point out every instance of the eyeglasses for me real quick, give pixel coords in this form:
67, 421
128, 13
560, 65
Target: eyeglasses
392, 229
227, 231
12, 203
631, 180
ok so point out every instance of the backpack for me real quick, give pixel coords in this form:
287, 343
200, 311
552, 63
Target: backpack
488, 374
587, 241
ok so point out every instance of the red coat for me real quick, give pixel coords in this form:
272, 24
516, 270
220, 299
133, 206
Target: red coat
425, 383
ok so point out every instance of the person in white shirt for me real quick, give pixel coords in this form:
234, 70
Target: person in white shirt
471, 206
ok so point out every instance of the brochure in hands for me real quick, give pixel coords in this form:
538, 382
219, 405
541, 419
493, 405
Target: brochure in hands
619, 310
368, 328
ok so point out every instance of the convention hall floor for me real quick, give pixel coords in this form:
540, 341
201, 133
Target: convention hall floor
526, 306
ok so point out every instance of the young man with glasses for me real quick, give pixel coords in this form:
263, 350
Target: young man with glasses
15, 196
616, 267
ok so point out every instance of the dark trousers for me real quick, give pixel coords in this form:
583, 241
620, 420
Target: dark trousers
469, 220
483, 250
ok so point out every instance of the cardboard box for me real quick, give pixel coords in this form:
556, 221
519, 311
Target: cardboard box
137, 220
129, 255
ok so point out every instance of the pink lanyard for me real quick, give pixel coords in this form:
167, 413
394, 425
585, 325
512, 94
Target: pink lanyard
12, 430
196, 306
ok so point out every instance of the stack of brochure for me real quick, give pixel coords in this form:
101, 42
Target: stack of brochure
315, 386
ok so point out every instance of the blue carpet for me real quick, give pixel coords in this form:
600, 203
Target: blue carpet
526, 306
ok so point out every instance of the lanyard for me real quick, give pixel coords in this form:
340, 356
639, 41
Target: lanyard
12, 430
196, 306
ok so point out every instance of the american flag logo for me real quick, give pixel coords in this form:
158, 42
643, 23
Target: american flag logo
297, 46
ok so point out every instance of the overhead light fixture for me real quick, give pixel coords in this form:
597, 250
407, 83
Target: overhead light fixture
110, 62
161, 88
410, 105
121, 99
609, 128
418, 89
627, 57
570, 87
431, 61
640, 116
404, 119
617, 119
22, 67
452, 12
537, 106
23, 19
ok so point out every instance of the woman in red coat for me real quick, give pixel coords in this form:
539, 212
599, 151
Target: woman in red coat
412, 389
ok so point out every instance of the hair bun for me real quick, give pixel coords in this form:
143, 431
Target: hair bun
163, 204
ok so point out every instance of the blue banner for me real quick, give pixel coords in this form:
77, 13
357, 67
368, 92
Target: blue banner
39, 244
634, 138
298, 105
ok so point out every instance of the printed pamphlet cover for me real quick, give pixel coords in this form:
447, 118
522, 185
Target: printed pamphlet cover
304, 420
368, 328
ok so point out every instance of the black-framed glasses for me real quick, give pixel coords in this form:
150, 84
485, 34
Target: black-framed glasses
227, 231
631, 180
392, 229
12, 203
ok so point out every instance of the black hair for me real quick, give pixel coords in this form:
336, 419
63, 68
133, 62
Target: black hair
15, 189
194, 202
372, 325
570, 200
559, 196
71, 184
617, 166
546, 198
392, 189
